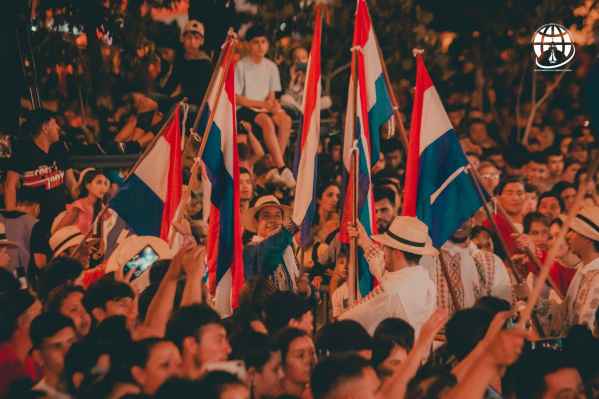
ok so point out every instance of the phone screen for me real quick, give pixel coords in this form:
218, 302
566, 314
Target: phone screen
141, 262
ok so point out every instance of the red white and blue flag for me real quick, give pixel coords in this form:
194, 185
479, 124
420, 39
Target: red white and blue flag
225, 258
307, 144
373, 109
149, 199
438, 189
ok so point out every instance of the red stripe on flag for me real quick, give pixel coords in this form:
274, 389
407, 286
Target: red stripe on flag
175, 175
423, 82
313, 78
212, 246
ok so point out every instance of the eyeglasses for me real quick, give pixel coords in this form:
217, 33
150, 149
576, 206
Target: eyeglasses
490, 176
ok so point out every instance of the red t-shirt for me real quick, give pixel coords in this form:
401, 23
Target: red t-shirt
12, 370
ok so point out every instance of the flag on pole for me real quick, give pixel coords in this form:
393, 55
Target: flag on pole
225, 259
304, 206
373, 109
149, 199
438, 189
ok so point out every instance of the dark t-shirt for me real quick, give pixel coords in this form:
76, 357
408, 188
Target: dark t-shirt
43, 175
193, 75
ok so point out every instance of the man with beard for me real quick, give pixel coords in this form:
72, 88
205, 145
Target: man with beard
384, 206
472, 273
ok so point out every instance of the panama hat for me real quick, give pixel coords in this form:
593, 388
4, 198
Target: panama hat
586, 222
4, 241
249, 218
408, 234
65, 238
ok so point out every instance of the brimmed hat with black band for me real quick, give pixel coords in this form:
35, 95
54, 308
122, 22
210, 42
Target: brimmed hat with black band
249, 218
408, 234
586, 222
65, 238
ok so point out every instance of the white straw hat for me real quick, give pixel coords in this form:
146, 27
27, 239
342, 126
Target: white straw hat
586, 222
408, 234
65, 238
249, 218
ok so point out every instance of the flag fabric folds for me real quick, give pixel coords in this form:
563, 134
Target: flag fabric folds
221, 162
307, 143
372, 109
149, 199
438, 189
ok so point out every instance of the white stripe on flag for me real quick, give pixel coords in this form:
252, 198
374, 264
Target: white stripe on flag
435, 121
446, 183
150, 172
373, 68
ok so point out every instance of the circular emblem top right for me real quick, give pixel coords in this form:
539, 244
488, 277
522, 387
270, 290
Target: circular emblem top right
553, 46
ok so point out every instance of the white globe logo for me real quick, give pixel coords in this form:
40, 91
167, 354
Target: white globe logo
553, 46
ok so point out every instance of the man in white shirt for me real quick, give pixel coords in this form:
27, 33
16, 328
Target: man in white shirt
582, 297
473, 273
406, 290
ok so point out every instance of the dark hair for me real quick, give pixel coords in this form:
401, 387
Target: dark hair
532, 217
382, 192
180, 388
412, 259
531, 188
37, 119
553, 151
81, 358
58, 271
104, 290
285, 337
284, 306
465, 330
140, 351
188, 322
214, 383
389, 146
440, 378
492, 305
562, 186
12, 306
397, 330
508, 180
59, 294
47, 325
254, 32
323, 187
477, 230
254, 348
88, 178
8, 281
342, 336
552, 194
534, 366
335, 370
244, 171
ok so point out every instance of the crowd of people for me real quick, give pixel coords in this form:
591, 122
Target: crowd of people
88, 309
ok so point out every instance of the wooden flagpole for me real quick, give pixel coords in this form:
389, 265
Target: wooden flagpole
352, 273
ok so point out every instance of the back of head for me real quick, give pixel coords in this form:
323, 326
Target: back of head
492, 305
12, 306
37, 119
342, 337
397, 330
253, 348
179, 388
57, 272
104, 290
331, 373
214, 383
47, 325
465, 330
283, 306
187, 322
533, 367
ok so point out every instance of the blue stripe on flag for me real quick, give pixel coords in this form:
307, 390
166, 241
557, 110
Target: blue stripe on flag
139, 207
380, 113
458, 201
222, 194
